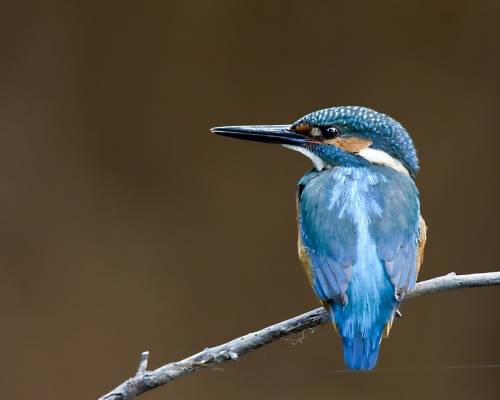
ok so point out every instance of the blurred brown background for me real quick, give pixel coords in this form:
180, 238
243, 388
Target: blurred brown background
126, 225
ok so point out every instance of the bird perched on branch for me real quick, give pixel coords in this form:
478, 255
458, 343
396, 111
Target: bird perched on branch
361, 235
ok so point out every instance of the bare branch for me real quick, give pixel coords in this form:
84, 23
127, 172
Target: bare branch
143, 363
144, 380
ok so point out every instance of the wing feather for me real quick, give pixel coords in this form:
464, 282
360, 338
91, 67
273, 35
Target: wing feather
396, 231
328, 236
326, 240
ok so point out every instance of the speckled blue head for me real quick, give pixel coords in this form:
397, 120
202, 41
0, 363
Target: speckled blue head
385, 133
339, 136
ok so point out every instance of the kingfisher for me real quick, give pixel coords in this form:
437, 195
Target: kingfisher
361, 235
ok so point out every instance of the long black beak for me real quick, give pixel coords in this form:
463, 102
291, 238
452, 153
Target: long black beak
281, 134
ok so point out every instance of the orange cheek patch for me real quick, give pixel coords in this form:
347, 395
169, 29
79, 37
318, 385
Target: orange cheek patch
350, 144
303, 128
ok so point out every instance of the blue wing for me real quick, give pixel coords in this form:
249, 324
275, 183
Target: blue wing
396, 230
328, 240
329, 229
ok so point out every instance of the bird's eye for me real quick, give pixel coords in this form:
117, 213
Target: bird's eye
331, 132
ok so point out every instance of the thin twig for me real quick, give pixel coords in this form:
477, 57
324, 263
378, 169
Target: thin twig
144, 380
143, 363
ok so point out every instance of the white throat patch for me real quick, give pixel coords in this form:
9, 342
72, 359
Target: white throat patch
381, 157
372, 155
319, 164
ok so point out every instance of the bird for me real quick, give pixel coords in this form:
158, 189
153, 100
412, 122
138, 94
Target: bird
361, 236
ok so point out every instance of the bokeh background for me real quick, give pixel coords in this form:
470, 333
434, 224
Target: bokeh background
126, 225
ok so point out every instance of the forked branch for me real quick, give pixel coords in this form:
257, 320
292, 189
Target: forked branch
145, 380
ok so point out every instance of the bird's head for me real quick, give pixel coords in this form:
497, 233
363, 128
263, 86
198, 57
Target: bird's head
347, 135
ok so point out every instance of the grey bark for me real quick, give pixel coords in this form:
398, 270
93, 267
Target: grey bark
145, 380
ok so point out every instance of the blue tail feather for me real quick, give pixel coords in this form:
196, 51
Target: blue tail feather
361, 353
361, 323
